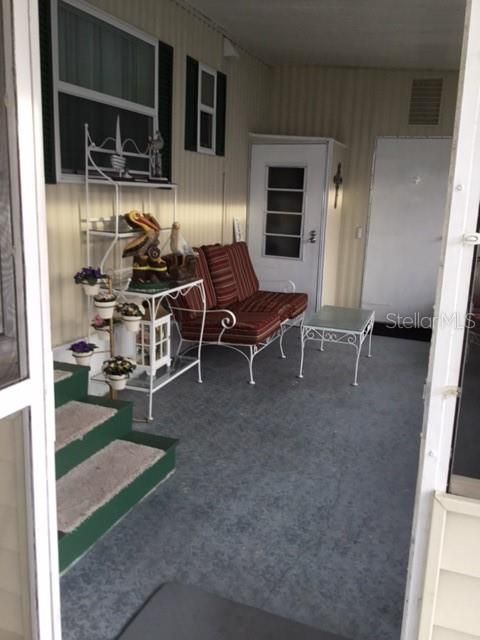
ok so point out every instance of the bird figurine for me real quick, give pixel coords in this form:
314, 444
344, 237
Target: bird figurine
178, 245
148, 265
183, 256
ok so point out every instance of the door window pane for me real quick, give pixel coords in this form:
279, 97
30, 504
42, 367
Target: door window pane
286, 177
207, 95
12, 302
282, 246
15, 579
206, 130
283, 223
96, 55
291, 201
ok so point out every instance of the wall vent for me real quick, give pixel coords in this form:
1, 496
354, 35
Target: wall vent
425, 101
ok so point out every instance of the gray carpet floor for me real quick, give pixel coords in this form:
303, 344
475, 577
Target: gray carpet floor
292, 496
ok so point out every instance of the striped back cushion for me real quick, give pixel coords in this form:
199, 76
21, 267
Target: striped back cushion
221, 273
245, 277
193, 299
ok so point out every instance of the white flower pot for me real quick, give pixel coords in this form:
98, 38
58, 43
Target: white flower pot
117, 382
83, 358
132, 323
105, 308
91, 289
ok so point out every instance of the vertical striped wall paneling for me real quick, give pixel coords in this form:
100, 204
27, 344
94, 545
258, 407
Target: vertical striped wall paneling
354, 106
203, 211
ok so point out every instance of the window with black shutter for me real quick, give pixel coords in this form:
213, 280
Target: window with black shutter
205, 109
96, 68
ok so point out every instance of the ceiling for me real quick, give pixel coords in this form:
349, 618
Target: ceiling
423, 34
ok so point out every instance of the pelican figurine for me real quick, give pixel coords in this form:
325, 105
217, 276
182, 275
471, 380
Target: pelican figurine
148, 265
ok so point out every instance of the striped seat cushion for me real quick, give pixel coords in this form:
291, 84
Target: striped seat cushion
250, 328
222, 274
286, 305
245, 277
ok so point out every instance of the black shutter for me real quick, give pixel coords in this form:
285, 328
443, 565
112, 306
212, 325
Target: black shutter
165, 97
47, 90
221, 113
191, 105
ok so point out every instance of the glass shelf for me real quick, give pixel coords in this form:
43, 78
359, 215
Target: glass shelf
180, 364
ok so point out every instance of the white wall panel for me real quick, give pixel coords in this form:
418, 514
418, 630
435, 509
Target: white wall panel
353, 106
451, 598
205, 215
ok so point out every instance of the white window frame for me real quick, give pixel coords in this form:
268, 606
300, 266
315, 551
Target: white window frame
441, 388
36, 392
207, 109
89, 94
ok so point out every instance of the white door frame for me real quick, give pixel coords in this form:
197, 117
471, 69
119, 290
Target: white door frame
36, 392
450, 309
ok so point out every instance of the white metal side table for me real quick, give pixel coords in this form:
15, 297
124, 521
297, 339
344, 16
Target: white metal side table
146, 378
341, 325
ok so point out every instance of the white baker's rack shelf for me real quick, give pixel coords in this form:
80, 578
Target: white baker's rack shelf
156, 367
98, 174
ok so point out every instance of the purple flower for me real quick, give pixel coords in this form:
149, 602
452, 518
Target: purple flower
88, 275
82, 347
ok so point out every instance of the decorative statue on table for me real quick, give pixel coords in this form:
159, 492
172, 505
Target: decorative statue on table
149, 270
155, 147
181, 264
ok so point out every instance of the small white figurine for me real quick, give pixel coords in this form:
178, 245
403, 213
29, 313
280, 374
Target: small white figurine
155, 146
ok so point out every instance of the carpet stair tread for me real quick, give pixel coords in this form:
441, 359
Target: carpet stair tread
94, 495
75, 419
98, 479
85, 426
61, 374
70, 382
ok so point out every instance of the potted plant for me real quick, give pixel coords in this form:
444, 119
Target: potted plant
117, 370
104, 303
82, 351
90, 279
131, 313
100, 324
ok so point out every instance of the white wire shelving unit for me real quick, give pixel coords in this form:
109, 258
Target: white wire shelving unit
149, 377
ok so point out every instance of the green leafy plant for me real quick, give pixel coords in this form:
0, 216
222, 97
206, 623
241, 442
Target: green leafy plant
105, 296
130, 310
118, 366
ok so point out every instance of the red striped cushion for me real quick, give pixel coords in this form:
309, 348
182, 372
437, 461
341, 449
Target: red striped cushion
245, 277
250, 328
221, 273
286, 305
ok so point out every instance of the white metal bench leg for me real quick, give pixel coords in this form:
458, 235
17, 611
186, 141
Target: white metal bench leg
250, 364
302, 339
282, 352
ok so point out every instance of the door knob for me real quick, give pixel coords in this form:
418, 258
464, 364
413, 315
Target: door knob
313, 236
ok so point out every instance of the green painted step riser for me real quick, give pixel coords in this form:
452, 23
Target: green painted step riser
118, 426
75, 544
73, 388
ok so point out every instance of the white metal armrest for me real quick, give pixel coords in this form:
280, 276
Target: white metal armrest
229, 321
288, 285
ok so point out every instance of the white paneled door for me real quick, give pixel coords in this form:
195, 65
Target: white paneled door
287, 204
29, 583
407, 211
